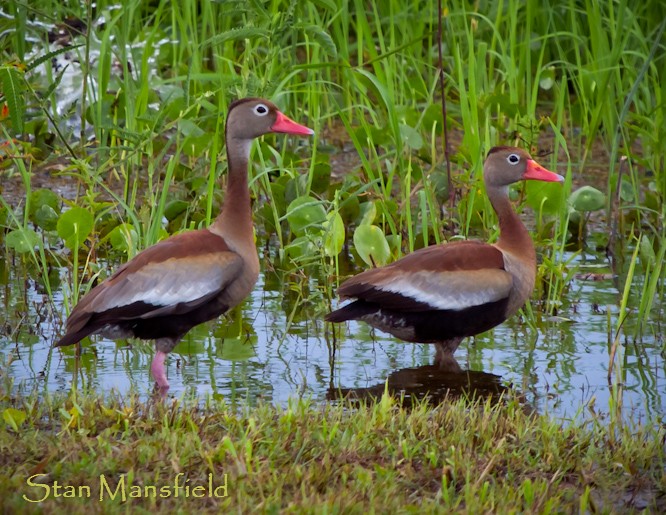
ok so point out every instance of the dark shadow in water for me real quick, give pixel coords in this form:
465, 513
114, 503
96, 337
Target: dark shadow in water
428, 382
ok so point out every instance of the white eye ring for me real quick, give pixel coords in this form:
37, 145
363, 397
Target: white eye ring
513, 159
261, 110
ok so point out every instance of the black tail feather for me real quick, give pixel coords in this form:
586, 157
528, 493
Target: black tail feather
352, 311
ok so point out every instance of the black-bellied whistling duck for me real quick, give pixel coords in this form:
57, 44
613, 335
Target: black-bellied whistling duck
194, 276
444, 293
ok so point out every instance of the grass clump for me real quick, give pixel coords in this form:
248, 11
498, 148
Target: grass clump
459, 456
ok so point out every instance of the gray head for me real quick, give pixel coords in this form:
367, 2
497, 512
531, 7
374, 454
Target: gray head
250, 118
506, 165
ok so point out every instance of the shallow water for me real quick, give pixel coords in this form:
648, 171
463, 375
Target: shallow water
281, 349
559, 368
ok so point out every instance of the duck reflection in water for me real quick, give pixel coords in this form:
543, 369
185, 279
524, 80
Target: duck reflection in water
432, 383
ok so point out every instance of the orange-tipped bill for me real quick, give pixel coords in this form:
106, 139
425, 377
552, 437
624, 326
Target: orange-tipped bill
285, 124
538, 173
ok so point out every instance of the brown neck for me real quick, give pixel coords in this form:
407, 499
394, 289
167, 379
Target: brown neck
514, 237
235, 220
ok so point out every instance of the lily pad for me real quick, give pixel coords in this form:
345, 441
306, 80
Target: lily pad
305, 213
74, 226
45, 217
587, 198
370, 243
22, 240
43, 197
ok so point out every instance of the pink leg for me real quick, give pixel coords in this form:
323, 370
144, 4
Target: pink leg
158, 370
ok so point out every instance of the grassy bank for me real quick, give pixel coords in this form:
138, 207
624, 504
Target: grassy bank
458, 456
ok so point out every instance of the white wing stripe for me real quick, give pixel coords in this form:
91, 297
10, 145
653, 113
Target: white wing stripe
452, 290
170, 282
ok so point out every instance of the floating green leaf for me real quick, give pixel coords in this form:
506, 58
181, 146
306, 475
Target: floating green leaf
305, 213
22, 240
370, 243
74, 226
587, 198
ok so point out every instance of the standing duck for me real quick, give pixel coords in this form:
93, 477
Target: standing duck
444, 293
194, 276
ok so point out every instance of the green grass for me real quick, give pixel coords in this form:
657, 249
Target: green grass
459, 456
581, 79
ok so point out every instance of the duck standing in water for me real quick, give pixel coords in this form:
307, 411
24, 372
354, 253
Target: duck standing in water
194, 276
444, 293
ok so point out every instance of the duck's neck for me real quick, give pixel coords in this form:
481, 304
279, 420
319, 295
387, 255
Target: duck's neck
514, 237
235, 220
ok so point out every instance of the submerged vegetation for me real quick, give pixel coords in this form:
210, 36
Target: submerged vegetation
111, 125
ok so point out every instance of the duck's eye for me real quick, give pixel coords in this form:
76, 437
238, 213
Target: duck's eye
513, 159
261, 109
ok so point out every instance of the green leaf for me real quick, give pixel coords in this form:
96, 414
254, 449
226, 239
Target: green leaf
321, 177
236, 35
587, 198
370, 243
14, 418
123, 237
189, 128
627, 191
368, 213
45, 217
305, 213
320, 36
13, 86
648, 256
175, 208
411, 136
544, 197
335, 234
43, 197
22, 240
301, 247
50, 55
74, 226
